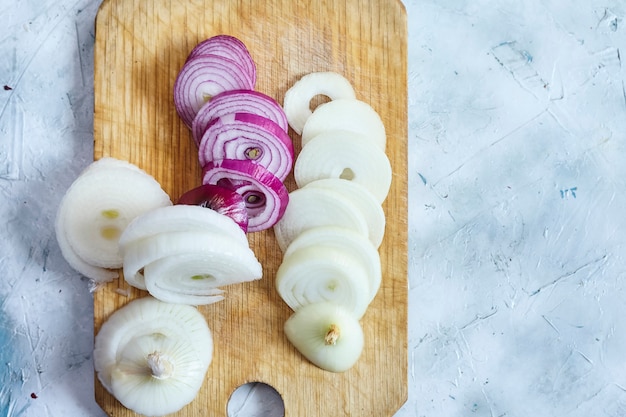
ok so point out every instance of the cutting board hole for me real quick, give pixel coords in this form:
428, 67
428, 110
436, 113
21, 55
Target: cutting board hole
256, 399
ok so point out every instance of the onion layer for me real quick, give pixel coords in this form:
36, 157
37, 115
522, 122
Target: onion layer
229, 47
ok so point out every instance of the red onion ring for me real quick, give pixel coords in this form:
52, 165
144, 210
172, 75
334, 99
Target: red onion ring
220, 199
235, 101
265, 195
228, 47
246, 136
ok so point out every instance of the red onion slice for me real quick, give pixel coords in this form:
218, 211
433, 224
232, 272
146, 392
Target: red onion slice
246, 136
219, 199
229, 47
264, 194
202, 78
235, 101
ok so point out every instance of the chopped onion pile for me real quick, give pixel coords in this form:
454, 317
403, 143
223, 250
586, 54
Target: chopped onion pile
334, 223
153, 356
185, 254
232, 122
96, 209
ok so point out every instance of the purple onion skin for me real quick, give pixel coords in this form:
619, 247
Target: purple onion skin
219, 199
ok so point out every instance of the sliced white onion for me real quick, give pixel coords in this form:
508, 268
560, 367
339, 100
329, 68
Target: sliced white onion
363, 199
237, 101
319, 273
313, 207
178, 333
247, 136
342, 239
298, 97
96, 209
346, 114
345, 156
180, 218
327, 335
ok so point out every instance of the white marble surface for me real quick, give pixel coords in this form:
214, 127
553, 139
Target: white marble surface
517, 125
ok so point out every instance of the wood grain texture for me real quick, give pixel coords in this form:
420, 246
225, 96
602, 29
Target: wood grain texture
140, 47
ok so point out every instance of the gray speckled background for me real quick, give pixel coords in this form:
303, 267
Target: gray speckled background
517, 124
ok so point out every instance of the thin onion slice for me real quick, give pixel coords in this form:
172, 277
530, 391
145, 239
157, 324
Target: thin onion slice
203, 77
237, 101
247, 136
150, 323
313, 207
219, 199
342, 239
234, 261
346, 156
265, 195
229, 47
318, 273
363, 199
346, 114
96, 209
298, 97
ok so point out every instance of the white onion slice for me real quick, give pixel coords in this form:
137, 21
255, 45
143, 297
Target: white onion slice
363, 199
233, 261
96, 209
237, 101
178, 332
203, 77
342, 239
318, 273
298, 97
346, 114
180, 218
265, 195
247, 136
326, 334
313, 207
345, 156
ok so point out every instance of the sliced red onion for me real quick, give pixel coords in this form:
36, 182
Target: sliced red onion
235, 101
247, 136
264, 194
227, 46
219, 199
203, 77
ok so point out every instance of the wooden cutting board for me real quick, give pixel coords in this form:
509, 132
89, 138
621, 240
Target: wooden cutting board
140, 47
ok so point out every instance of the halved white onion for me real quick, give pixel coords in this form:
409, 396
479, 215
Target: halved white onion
319, 273
327, 335
298, 97
346, 156
95, 210
178, 333
232, 261
342, 239
346, 114
363, 199
312, 207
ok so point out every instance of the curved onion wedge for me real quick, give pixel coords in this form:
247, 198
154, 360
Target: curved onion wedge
247, 136
96, 209
363, 199
346, 114
344, 240
180, 218
265, 194
237, 101
153, 356
311, 207
219, 199
319, 273
327, 335
345, 156
298, 98
233, 262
